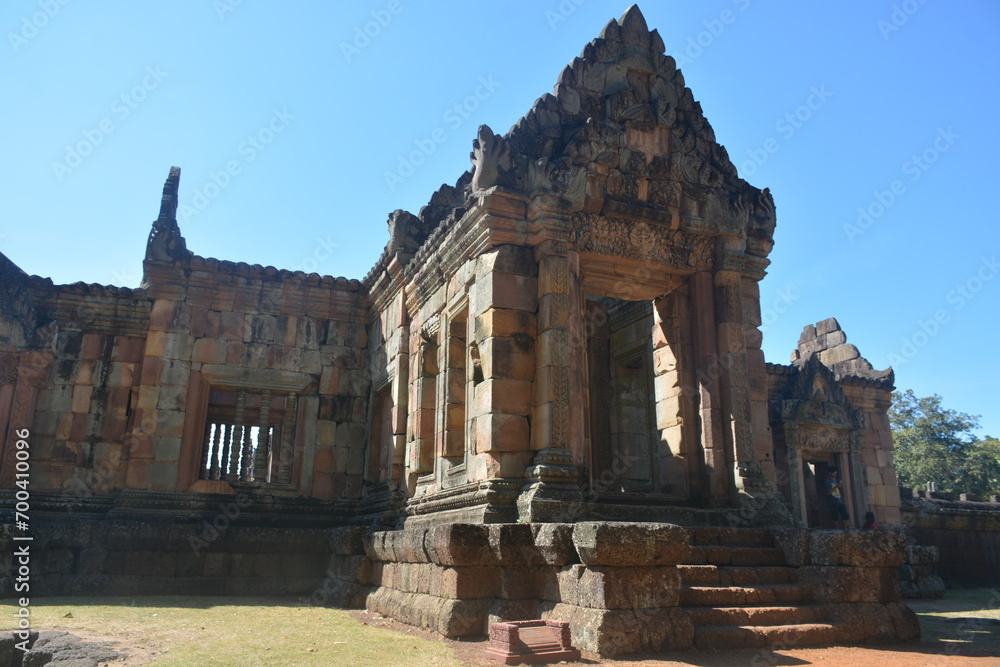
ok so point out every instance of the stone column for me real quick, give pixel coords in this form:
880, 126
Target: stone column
676, 410
734, 387
858, 487
553, 492
717, 476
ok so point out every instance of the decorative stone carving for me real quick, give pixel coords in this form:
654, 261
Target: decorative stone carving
165, 243
825, 440
641, 241
490, 157
406, 232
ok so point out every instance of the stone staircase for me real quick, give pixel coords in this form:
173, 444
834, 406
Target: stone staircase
740, 593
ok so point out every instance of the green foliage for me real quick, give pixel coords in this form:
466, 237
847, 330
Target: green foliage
935, 444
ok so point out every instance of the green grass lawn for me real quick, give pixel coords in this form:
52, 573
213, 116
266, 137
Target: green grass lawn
240, 632
965, 617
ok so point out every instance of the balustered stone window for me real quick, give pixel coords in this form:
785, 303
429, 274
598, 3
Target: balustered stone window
247, 437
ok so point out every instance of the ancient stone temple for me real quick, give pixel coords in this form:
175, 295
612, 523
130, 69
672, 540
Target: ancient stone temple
546, 400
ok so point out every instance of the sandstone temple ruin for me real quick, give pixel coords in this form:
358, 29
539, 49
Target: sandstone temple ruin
546, 400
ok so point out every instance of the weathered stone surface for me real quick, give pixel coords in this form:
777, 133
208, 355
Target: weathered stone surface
874, 622
451, 618
617, 587
460, 544
346, 540
554, 542
513, 544
794, 543
63, 647
851, 584
622, 544
866, 548
611, 632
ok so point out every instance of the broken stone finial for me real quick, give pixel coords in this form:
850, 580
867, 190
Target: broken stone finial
168, 204
165, 243
490, 155
406, 231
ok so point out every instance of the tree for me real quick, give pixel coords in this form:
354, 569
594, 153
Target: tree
935, 444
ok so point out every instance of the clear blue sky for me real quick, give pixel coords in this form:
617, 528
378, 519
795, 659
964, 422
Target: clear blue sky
889, 106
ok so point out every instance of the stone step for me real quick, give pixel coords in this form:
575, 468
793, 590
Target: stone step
729, 555
705, 616
715, 536
739, 596
759, 636
713, 575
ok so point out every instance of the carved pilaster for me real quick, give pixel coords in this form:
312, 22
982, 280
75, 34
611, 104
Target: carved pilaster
734, 384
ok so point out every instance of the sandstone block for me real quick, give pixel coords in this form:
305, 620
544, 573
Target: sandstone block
795, 544
514, 544
554, 542
346, 540
851, 584
623, 544
839, 354
459, 544
872, 548
602, 587
610, 632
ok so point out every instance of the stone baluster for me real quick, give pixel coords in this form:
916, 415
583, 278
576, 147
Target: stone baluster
262, 459
209, 457
240, 435
227, 448
287, 440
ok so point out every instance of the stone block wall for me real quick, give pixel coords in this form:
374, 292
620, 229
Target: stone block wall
119, 557
880, 483
69, 382
966, 533
224, 325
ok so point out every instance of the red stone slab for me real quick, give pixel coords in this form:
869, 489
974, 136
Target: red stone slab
530, 642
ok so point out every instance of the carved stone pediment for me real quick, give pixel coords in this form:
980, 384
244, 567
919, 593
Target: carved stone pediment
814, 396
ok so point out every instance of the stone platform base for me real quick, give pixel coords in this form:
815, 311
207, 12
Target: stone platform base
630, 587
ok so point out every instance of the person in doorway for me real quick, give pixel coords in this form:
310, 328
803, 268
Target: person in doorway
869, 523
834, 500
